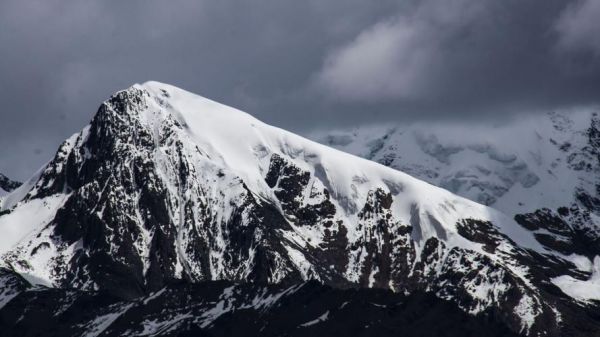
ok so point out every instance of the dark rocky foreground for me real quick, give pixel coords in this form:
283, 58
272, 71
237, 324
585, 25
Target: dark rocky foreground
226, 309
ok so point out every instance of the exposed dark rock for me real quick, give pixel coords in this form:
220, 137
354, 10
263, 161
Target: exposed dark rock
225, 309
7, 184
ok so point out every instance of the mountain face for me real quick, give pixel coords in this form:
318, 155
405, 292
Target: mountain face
544, 171
164, 186
7, 185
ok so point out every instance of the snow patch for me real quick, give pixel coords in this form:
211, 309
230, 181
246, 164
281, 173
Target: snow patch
582, 290
317, 320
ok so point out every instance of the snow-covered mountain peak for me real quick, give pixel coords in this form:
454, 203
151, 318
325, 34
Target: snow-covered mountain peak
166, 185
238, 142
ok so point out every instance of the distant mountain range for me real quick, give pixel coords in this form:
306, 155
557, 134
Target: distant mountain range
167, 196
545, 160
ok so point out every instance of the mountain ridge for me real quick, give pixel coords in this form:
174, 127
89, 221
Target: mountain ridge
542, 170
164, 185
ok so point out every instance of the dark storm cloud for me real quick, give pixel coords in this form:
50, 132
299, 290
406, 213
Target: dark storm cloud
475, 56
578, 27
295, 64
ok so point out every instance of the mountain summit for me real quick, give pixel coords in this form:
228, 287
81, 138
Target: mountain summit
166, 186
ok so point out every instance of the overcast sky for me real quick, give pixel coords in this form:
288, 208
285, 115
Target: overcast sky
296, 64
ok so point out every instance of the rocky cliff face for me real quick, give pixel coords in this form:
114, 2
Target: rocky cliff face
165, 186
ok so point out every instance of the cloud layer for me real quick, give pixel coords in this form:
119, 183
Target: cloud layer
579, 28
296, 64
473, 55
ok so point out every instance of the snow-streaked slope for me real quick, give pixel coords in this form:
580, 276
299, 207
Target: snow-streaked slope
543, 168
516, 167
164, 184
583, 290
241, 143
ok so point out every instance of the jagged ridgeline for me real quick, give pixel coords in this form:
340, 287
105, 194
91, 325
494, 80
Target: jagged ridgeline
165, 187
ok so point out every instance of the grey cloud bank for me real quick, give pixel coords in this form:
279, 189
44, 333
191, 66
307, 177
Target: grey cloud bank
578, 27
296, 64
473, 55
